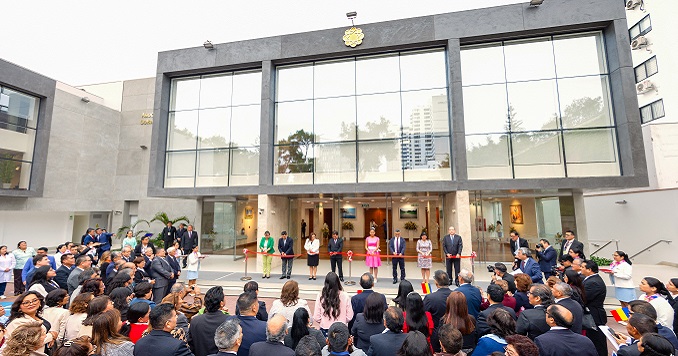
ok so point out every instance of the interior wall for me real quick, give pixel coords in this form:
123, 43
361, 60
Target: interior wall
246, 226
528, 229
275, 218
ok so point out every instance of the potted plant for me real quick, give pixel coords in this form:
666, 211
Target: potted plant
7, 170
347, 226
410, 226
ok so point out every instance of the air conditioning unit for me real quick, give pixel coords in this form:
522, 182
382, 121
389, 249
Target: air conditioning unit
644, 86
632, 4
639, 42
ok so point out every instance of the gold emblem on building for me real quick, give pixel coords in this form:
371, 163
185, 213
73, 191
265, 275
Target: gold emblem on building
353, 37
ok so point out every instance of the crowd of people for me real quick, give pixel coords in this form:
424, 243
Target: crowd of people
86, 301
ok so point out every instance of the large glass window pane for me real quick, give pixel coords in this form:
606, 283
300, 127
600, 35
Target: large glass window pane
423, 70
214, 128
377, 74
578, 55
585, 102
180, 169
334, 119
183, 130
247, 88
482, 65
434, 158
294, 164
529, 60
335, 163
216, 90
487, 157
425, 111
331, 79
380, 161
185, 94
485, 109
658, 109
212, 168
294, 83
533, 105
537, 155
14, 174
245, 125
378, 116
245, 167
591, 153
646, 114
292, 117
18, 108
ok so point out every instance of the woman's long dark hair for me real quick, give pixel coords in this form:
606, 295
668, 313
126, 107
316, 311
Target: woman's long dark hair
374, 308
625, 256
415, 344
299, 326
120, 280
16, 312
456, 313
329, 297
576, 282
404, 288
661, 288
416, 319
40, 277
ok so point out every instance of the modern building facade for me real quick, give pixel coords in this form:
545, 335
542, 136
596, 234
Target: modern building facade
461, 119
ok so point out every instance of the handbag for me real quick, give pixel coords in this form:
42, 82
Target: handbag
587, 321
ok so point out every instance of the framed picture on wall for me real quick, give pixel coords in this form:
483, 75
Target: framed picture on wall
249, 213
409, 213
348, 213
516, 212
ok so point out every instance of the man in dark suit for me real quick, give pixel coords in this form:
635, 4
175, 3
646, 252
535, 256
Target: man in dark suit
548, 258
389, 342
176, 268
559, 341
286, 250
228, 337
189, 240
275, 331
201, 331
436, 304
532, 322
162, 272
335, 246
62, 273
528, 265
495, 295
516, 242
562, 293
501, 273
472, 294
397, 248
159, 341
169, 234
570, 242
358, 300
452, 247
643, 307
253, 286
180, 232
596, 291
104, 240
637, 326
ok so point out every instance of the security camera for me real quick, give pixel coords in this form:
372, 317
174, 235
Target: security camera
351, 15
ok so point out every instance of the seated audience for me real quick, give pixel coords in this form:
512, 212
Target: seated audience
159, 341
202, 328
451, 341
415, 344
121, 297
106, 335
562, 293
332, 304
143, 293
520, 345
532, 322
495, 295
358, 300
228, 337
389, 342
253, 286
300, 328
404, 288
340, 342
137, 321
560, 340
289, 301
655, 345
436, 302
308, 346
96, 306
370, 321
643, 307
276, 328
523, 284
456, 314
416, 318
27, 308
501, 324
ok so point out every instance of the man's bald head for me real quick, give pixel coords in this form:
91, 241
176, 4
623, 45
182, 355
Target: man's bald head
558, 315
276, 328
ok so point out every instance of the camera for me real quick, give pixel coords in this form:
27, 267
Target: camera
540, 245
490, 269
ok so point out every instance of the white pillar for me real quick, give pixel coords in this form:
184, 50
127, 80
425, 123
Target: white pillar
458, 214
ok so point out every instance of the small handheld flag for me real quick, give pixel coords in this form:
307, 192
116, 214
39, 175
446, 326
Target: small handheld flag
621, 314
426, 288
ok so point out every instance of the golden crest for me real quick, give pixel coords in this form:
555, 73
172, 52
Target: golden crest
353, 37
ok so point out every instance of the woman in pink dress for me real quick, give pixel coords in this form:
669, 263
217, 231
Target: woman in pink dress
373, 260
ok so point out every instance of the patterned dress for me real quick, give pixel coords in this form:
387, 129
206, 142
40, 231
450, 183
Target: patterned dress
426, 247
373, 246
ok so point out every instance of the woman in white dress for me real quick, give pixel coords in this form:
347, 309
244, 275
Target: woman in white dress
312, 247
620, 276
289, 301
7, 263
193, 265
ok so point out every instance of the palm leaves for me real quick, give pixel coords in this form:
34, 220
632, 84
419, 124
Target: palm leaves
122, 231
164, 218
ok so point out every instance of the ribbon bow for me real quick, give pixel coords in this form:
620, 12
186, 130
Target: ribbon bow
474, 254
350, 255
245, 251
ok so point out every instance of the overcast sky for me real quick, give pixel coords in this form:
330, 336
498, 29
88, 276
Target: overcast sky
87, 41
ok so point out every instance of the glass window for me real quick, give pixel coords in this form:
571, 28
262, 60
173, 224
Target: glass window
488, 156
378, 116
646, 69
482, 64
432, 162
578, 55
245, 125
291, 117
247, 88
245, 167
214, 128
18, 108
185, 94
529, 60
425, 111
334, 119
335, 163
183, 130
485, 109
423, 70
585, 102
641, 28
18, 123
652, 111
533, 105
537, 155
294, 163
216, 91
294, 83
377, 74
380, 161
591, 153
212, 168
180, 169
332, 79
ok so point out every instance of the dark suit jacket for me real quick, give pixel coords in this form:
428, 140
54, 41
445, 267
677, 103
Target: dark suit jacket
201, 332
401, 246
189, 240
629, 350
595, 290
105, 241
169, 234
563, 342
473, 298
160, 271
511, 282
253, 331
335, 247
532, 269
483, 328
386, 344
532, 322
577, 313
174, 263
452, 245
286, 246
521, 242
547, 259
576, 244
159, 342
137, 249
61, 277
358, 304
262, 314
435, 303
268, 348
